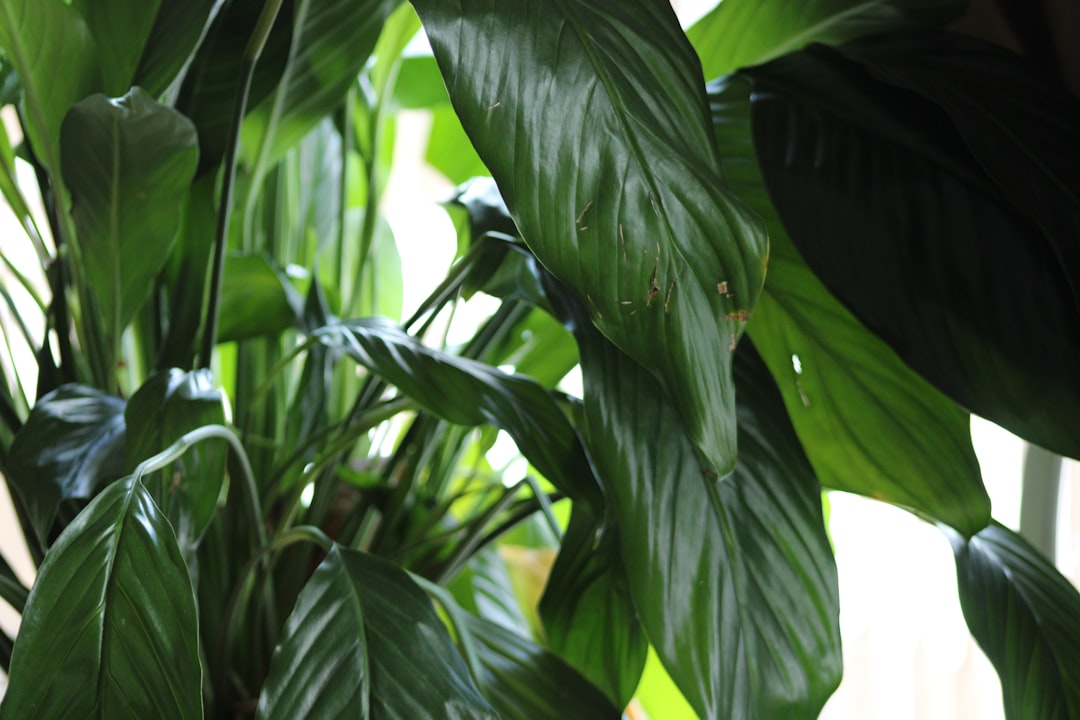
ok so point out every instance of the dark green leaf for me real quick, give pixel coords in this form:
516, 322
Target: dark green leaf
128, 163
607, 161
178, 29
100, 637
733, 577
879, 193
747, 32
869, 423
484, 587
467, 392
71, 443
331, 41
120, 30
1026, 617
166, 407
525, 682
257, 299
11, 589
589, 619
363, 641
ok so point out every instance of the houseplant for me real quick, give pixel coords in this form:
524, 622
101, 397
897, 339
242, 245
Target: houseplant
243, 488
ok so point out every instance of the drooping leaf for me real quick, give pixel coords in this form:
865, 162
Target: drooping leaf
525, 682
1026, 617
589, 619
880, 195
179, 27
606, 159
355, 644
869, 424
71, 443
128, 163
166, 407
98, 637
120, 30
748, 32
258, 299
467, 392
331, 41
733, 578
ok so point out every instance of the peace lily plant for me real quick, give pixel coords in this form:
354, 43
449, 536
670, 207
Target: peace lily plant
250, 486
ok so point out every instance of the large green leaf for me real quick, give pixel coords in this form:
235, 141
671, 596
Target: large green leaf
178, 29
869, 423
733, 578
128, 163
51, 48
259, 300
468, 392
364, 641
120, 30
747, 32
331, 41
166, 407
1026, 617
110, 629
592, 118
71, 443
878, 191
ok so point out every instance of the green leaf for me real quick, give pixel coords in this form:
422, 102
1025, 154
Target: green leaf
748, 32
364, 641
733, 578
331, 41
869, 424
589, 619
259, 300
120, 30
449, 149
179, 27
128, 163
166, 407
467, 392
1026, 617
50, 46
71, 443
525, 682
606, 159
419, 86
100, 637
932, 272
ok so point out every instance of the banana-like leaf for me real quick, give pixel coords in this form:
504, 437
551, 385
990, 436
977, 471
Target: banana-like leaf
468, 392
120, 30
748, 32
179, 27
100, 637
879, 193
71, 443
869, 423
364, 641
606, 159
166, 407
589, 618
128, 163
331, 41
1026, 617
733, 578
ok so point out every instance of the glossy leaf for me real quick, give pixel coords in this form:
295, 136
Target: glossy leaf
100, 639
179, 27
883, 200
747, 32
607, 162
733, 578
331, 41
525, 682
120, 30
589, 619
1026, 617
259, 300
72, 442
467, 392
869, 424
166, 407
353, 645
128, 163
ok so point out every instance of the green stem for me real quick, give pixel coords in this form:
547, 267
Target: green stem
247, 71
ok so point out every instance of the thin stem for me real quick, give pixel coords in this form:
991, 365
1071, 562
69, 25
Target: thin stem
247, 71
